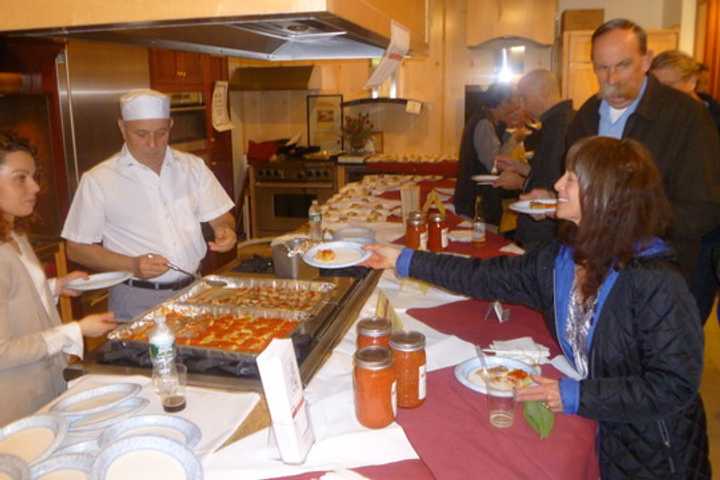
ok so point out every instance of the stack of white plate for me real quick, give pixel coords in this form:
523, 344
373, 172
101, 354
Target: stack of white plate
96, 434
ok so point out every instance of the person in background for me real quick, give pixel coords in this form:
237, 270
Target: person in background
619, 309
680, 71
677, 130
539, 92
33, 342
481, 142
142, 209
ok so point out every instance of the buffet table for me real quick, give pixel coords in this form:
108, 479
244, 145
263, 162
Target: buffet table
451, 432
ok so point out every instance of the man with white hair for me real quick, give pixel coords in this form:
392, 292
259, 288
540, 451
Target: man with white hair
141, 209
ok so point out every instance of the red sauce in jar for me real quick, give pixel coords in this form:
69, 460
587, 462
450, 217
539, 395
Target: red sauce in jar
374, 384
437, 233
415, 231
373, 331
408, 349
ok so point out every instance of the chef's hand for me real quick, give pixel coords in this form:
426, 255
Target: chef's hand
547, 390
382, 256
509, 181
149, 265
537, 194
225, 239
97, 324
505, 163
60, 283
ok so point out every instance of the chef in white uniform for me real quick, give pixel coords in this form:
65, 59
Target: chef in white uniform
141, 209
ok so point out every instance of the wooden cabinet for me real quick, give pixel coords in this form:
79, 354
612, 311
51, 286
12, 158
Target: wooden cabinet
174, 71
489, 19
578, 77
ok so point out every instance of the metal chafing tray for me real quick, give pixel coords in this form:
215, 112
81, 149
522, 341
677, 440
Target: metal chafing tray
326, 289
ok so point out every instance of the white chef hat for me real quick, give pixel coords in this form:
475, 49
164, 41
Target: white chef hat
144, 104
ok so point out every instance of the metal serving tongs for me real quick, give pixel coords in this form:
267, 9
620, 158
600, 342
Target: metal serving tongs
212, 283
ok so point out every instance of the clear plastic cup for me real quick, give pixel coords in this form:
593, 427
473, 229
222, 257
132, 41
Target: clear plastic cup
501, 405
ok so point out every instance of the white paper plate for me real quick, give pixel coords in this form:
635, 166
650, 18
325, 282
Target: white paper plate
523, 206
156, 457
485, 179
14, 467
109, 416
73, 462
347, 254
26, 438
466, 371
79, 444
169, 426
98, 281
94, 400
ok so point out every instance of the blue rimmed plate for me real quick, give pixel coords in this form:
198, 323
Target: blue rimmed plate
34, 438
156, 457
169, 426
69, 465
14, 468
94, 400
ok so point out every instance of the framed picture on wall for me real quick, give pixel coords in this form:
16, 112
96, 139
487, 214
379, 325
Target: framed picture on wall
325, 121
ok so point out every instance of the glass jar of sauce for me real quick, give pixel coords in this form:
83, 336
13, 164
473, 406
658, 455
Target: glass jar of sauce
375, 386
373, 332
437, 233
408, 350
416, 231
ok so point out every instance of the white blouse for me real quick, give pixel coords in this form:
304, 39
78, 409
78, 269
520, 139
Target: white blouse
65, 338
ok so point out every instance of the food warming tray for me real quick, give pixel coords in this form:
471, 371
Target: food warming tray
292, 295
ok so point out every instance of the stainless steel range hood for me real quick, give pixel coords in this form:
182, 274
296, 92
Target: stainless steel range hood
288, 37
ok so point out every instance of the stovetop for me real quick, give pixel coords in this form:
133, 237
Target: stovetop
299, 170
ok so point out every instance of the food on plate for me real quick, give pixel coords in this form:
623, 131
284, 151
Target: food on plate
506, 378
325, 255
542, 205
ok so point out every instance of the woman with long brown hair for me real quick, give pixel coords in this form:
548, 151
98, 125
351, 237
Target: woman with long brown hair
33, 343
617, 306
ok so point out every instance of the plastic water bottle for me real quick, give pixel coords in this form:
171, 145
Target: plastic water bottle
478, 224
162, 349
315, 220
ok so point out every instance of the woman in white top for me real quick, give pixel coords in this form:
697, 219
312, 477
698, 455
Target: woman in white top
33, 342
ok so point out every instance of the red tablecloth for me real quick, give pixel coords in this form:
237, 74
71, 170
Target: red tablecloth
451, 431
405, 470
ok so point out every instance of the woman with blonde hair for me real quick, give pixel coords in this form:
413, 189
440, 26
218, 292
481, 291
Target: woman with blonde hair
33, 342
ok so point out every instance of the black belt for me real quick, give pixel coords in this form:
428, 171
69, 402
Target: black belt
176, 285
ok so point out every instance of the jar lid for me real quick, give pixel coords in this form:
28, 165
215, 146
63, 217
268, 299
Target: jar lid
407, 341
373, 358
415, 215
435, 217
374, 327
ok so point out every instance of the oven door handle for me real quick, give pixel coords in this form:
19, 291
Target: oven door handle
299, 185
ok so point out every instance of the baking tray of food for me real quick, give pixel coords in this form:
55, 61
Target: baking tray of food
213, 331
304, 296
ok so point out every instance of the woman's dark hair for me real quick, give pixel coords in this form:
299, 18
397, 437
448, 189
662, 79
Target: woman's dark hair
11, 143
623, 205
496, 94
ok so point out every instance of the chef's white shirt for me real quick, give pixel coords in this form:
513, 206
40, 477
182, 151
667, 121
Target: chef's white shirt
134, 211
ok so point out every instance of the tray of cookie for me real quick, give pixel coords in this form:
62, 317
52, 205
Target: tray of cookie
308, 297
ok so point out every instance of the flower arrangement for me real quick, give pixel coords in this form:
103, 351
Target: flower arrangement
357, 130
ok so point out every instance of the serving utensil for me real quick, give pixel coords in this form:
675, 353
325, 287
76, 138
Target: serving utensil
483, 362
212, 283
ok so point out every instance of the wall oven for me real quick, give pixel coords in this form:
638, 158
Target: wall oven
281, 194
188, 111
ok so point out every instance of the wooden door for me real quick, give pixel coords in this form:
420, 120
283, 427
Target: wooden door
190, 69
163, 67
